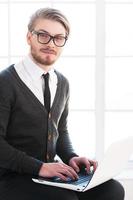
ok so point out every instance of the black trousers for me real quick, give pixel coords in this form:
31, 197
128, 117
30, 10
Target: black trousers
18, 187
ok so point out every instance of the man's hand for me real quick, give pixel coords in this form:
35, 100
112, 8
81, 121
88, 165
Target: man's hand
60, 170
77, 162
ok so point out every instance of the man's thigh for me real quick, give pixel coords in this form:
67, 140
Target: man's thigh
110, 190
23, 188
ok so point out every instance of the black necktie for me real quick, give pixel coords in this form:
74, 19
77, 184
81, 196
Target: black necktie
46, 92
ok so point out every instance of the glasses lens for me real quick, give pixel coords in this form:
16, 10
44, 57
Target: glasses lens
43, 38
59, 41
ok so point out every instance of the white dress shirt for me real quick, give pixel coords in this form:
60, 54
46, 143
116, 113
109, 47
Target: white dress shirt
31, 74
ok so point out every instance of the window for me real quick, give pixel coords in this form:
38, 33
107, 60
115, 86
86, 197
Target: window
99, 114
118, 70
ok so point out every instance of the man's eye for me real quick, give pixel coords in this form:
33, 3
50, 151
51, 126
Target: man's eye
59, 38
43, 35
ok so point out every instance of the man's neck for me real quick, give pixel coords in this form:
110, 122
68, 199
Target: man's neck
46, 68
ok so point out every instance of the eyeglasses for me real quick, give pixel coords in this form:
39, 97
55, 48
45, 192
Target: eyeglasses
44, 38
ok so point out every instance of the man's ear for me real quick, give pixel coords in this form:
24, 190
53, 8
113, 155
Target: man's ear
28, 36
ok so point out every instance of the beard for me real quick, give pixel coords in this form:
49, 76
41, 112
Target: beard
40, 60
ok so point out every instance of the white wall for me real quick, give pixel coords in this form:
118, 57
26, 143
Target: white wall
126, 179
128, 185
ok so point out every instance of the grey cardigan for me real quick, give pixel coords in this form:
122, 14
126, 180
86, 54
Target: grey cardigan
24, 141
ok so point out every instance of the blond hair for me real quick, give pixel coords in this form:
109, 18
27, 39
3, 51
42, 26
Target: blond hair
51, 14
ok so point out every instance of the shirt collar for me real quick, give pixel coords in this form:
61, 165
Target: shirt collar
34, 70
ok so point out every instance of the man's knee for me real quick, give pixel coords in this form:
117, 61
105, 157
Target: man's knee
110, 190
116, 190
120, 191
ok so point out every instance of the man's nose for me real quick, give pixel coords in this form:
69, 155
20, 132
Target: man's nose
51, 42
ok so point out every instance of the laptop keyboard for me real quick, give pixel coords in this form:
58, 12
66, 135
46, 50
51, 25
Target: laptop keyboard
83, 177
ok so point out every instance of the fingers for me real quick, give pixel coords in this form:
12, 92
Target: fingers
77, 162
75, 166
66, 172
60, 170
94, 164
91, 163
69, 172
91, 166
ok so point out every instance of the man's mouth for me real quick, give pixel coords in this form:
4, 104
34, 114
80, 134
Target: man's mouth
48, 51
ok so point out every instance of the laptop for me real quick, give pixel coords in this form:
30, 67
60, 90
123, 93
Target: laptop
114, 161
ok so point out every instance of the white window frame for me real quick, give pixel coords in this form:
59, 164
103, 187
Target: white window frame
100, 79
99, 71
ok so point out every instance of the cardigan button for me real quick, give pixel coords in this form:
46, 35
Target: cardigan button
49, 137
47, 156
49, 115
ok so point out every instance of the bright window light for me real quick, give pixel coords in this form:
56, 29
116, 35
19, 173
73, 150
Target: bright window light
119, 29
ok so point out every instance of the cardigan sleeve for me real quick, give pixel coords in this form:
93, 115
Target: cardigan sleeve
10, 157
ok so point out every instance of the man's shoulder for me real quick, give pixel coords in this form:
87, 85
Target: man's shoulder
6, 82
6, 76
5, 72
61, 77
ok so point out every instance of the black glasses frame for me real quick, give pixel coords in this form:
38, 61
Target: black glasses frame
50, 38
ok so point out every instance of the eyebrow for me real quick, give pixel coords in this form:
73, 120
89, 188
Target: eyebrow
44, 31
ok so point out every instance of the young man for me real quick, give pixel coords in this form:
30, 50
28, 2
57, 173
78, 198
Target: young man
33, 120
